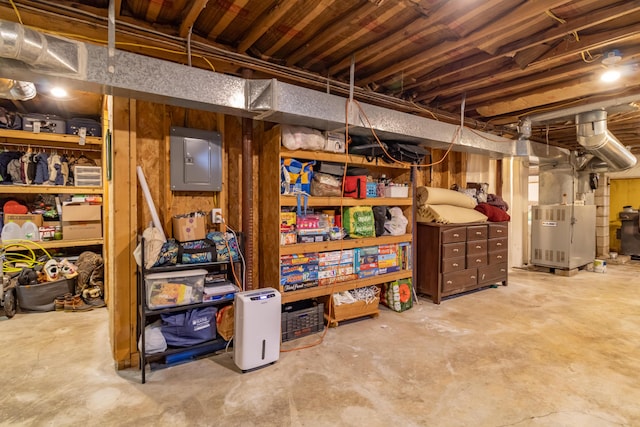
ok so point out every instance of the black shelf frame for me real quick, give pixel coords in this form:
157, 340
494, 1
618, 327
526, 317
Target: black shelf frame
144, 311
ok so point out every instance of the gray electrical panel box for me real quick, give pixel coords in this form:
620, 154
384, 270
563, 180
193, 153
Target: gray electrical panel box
196, 160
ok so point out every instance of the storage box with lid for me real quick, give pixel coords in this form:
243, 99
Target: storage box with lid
88, 176
174, 288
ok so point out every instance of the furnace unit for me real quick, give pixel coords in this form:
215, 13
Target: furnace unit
563, 236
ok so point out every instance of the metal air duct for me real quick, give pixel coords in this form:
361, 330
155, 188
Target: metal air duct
42, 51
593, 135
17, 90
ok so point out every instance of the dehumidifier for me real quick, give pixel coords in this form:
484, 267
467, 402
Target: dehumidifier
257, 328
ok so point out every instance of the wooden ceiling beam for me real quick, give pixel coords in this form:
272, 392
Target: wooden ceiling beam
153, 10
189, 18
421, 27
318, 9
441, 54
389, 14
485, 89
459, 83
264, 23
227, 17
320, 39
555, 55
577, 88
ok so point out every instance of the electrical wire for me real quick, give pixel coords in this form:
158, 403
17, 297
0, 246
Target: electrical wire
15, 9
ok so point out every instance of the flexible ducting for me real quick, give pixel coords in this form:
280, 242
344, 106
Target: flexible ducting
593, 135
39, 50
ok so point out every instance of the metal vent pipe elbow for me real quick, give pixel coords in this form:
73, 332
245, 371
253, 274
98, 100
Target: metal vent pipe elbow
593, 135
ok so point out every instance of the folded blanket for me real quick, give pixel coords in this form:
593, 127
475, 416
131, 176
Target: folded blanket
494, 213
447, 214
442, 196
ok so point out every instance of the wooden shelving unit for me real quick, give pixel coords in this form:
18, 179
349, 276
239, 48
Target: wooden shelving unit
23, 140
272, 202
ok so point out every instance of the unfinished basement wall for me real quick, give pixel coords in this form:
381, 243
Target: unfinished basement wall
142, 138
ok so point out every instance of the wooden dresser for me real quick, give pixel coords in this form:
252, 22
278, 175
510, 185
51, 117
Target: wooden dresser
455, 258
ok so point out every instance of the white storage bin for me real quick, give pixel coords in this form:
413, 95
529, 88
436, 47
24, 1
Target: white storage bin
87, 176
174, 288
396, 191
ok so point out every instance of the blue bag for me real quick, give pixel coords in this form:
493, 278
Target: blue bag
189, 327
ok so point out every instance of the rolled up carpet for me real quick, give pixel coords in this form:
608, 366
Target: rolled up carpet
447, 214
442, 196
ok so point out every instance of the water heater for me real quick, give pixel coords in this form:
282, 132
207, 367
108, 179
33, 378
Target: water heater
257, 328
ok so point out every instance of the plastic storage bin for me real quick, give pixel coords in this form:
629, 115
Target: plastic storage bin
372, 189
300, 323
396, 191
89, 176
174, 288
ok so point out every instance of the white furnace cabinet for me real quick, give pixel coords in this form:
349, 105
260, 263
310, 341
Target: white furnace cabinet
563, 236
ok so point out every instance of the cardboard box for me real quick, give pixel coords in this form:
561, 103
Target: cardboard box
81, 212
81, 221
189, 228
81, 230
22, 218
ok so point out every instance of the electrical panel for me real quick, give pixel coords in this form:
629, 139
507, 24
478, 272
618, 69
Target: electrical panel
196, 160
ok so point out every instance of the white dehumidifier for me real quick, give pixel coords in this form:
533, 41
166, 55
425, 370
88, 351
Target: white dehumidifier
257, 328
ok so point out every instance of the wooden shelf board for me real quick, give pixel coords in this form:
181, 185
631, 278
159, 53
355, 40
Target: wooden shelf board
26, 244
23, 137
319, 291
351, 159
48, 189
336, 202
336, 245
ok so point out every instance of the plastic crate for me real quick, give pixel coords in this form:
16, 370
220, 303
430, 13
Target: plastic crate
300, 323
372, 189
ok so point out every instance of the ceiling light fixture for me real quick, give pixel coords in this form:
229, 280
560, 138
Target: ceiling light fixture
610, 61
59, 92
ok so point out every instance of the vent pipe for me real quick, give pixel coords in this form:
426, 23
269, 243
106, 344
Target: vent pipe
17, 90
593, 135
42, 51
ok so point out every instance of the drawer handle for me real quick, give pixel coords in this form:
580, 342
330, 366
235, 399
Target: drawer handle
483, 276
478, 247
498, 244
455, 264
472, 277
499, 257
478, 233
478, 260
498, 231
456, 235
502, 270
456, 250
449, 282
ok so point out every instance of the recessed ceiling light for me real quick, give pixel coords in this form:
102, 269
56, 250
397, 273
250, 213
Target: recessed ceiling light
610, 76
59, 92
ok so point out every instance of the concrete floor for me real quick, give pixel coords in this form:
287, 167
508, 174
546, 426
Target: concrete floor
544, 351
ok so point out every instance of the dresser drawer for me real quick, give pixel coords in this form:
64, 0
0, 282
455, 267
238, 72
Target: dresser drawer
498, 257
492, 274
498, 244
498, 230
477, 247
476, 260
453, 250
459, 279
453, 264
476, 232
456, 234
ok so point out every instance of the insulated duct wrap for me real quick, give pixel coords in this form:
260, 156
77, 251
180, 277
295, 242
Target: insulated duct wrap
42, 51
593, 135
